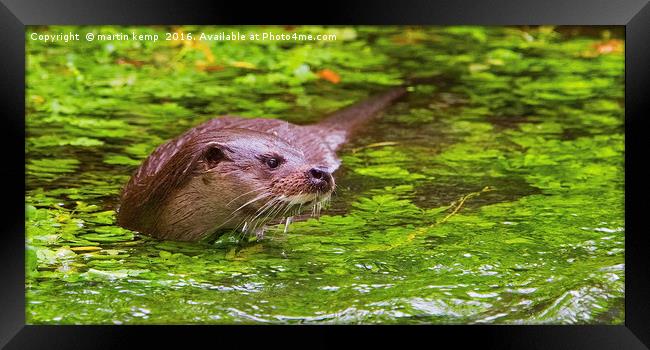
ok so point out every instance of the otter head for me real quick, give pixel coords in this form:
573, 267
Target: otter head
241, 179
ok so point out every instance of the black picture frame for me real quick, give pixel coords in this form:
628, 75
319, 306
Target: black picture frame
633, 14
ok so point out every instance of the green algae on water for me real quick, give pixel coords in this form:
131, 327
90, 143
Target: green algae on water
494, 195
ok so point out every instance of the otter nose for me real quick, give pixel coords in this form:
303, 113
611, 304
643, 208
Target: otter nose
319, 177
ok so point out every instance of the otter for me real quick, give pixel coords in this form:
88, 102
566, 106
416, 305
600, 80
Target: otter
235, 173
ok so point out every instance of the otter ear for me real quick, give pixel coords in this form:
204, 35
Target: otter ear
214, 154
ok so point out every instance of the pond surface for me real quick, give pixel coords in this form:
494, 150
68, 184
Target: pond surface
493, 195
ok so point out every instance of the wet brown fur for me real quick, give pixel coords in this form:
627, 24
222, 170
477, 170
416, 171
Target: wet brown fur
181, 192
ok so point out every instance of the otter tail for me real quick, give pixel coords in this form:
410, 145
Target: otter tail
349, 119
338, 127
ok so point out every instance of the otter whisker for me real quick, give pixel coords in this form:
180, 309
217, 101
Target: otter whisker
281, 207
286, 208
326, 202
296, 198
277, 200
245, 225
225, 222
268, 205
248, 226
277, 209
287, 223
253, 218
258, 224
313, 205
232, 216
263, 195
243, 194
291, 204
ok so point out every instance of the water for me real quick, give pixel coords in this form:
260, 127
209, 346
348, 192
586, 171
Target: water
493, 196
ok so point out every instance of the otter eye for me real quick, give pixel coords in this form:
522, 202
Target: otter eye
272, 163
271, 160
214, 155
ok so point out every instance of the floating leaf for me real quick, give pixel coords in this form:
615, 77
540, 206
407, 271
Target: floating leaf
329, 75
